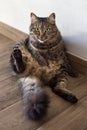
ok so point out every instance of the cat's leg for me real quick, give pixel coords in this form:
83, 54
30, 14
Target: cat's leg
16, 59
61, 90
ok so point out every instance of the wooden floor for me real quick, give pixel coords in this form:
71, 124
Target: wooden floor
61, 114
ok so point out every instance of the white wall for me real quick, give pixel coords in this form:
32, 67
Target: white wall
71, 19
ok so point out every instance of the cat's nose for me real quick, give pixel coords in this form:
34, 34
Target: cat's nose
42, 37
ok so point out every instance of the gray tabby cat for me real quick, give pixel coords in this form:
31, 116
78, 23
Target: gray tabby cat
41, 59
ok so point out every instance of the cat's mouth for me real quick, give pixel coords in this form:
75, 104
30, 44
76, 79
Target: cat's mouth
40, 41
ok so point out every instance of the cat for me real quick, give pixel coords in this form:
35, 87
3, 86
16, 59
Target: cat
42, 56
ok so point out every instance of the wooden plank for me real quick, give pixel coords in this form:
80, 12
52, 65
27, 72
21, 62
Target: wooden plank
6, 45
11, 32
12, 118
8, 95
74, 118
74, 82
8, 84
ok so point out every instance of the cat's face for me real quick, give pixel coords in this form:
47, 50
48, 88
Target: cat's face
44, 28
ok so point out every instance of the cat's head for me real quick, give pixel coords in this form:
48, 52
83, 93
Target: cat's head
44, 28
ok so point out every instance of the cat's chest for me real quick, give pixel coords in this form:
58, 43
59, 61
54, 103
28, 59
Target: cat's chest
52, 56
47, 62
45, 56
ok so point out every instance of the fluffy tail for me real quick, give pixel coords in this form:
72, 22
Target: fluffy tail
35, 100
35, 105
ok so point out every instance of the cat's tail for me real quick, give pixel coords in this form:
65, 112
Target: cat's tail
35, 105
35, 99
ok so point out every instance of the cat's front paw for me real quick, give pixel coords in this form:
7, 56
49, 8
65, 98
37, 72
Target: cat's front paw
16, 61
17, 53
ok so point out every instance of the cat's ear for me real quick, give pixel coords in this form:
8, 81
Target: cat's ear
34, 18
51, 18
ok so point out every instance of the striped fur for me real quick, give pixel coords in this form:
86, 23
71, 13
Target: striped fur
43, 56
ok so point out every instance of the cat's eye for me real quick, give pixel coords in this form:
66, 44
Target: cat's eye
36, 29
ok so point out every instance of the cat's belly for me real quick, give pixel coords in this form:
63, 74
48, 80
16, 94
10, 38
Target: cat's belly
52, 70
46, 72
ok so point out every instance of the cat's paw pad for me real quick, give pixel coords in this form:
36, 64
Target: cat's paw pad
17, 53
